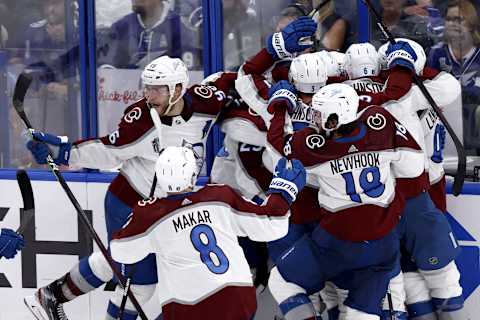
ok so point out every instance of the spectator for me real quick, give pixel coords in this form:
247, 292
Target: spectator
151, 30
241, 35
332, 28
459, 54
50, 54
401, 24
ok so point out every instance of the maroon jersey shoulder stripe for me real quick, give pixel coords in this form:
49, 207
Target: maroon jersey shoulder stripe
148, 212
134, 124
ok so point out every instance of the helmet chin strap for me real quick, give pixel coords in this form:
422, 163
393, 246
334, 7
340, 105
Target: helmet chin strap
158, 125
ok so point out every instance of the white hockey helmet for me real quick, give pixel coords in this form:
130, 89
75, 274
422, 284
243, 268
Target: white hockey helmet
361, 60
336, 101
308, 73
333, 66
176, 169
419, 51
166, 71
339, 58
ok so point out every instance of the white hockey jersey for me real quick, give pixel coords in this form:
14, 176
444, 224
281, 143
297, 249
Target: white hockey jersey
358, 176
135, 145
198, 255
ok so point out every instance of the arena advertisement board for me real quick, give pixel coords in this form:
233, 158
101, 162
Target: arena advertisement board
56, 239
119, 88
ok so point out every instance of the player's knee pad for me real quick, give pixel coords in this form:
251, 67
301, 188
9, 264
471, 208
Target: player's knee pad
143, 293
397, 295
281, 289
444, 282
90, 273
416, 288
418, 300
100, 266
348, 313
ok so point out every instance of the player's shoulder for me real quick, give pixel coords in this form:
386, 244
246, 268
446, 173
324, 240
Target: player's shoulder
136, 118
377, 118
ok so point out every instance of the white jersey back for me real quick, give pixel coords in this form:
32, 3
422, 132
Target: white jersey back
195, 240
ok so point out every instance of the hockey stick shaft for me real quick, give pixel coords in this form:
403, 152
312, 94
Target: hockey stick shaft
309, 40
21, 88
28, 200
462, 159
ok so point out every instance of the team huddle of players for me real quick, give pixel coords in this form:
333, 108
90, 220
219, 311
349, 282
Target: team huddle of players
334, 160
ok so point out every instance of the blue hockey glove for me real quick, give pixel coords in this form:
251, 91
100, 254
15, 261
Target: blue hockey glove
401, 54
438, 143
288, 181
283, 90
10, 243
38, 147
282, 44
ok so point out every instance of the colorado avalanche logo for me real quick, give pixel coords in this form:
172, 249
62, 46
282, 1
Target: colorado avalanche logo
377, 121
315, 141
133, 115
203, 91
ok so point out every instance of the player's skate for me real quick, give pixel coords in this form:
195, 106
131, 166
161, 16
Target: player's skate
44, 306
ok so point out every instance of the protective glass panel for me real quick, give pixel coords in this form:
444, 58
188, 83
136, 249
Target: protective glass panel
41, 38
248, 23
130, 34
449, 33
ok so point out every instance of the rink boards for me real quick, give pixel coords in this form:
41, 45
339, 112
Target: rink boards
55, 239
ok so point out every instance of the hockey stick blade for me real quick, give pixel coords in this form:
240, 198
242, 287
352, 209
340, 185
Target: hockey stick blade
462, 158
28, 203
28, 200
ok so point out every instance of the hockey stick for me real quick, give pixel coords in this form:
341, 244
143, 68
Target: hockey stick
309, 40
462, 159
28, 201
21, 87
27, 195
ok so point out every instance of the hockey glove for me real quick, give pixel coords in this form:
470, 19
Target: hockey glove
401, 54
282, 91
10, 243
61, 147
288, 181
438, 143
284, 43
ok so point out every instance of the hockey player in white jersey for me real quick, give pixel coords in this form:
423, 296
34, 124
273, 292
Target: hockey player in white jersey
10, 243
203, 273
356, 167
434, 271
183, 116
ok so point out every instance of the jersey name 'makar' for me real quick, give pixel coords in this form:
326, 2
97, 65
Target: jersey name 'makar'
362, 160
191, 219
